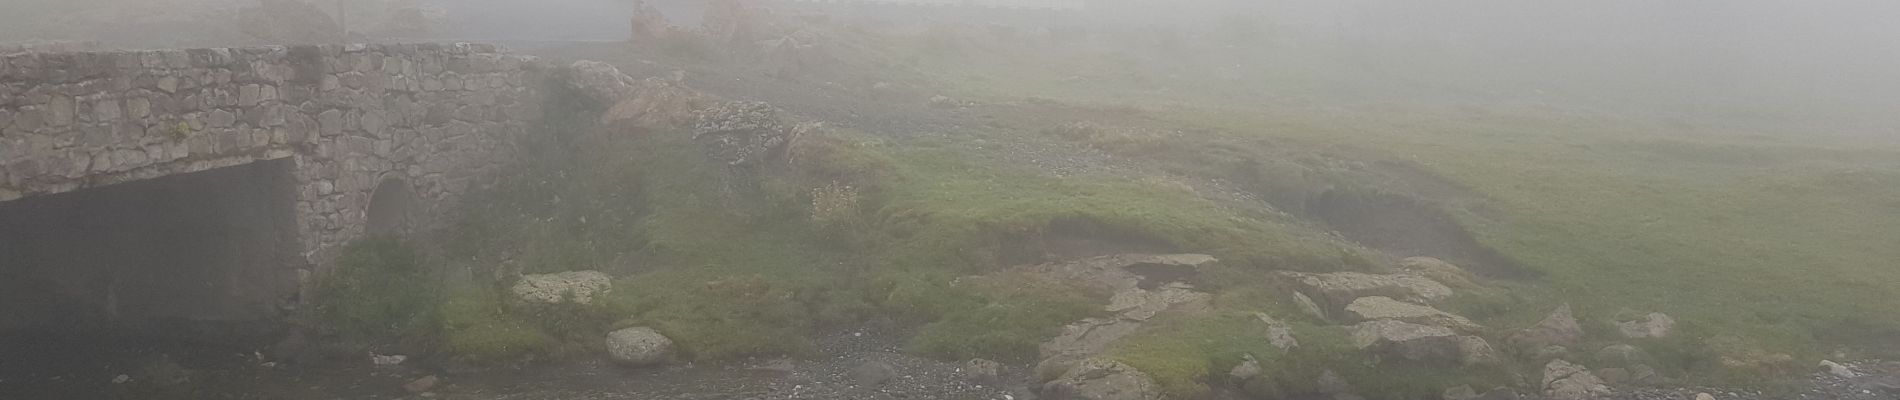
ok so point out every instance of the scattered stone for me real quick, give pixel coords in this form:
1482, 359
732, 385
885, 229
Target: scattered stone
982, 371
639, 346
122, 378
421, 385
873, 373
1654, 325
1406, 340
1566, 381
1279, 333
1340, 288
1248, 369
1381, 307
1102, 379
1558, 329
1704, 396
579, 287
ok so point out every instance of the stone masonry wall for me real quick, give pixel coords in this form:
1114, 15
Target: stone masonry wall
436, 117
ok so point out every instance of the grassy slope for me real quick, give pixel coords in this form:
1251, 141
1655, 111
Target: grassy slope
1769, 238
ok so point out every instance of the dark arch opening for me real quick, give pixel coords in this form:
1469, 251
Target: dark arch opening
390, 207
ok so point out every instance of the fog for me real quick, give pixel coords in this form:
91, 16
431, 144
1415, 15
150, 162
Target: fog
1752, 59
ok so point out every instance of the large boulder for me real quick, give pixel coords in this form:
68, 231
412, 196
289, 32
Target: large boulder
1654, 325
1560, 328
1407, 340
1338, 289
579, 287
1566, 381
639, 346
1102, 379
1381, 307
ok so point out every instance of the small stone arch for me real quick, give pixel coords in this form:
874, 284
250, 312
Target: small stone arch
392, 207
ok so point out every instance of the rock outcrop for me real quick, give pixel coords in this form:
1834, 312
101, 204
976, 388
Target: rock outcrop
1439, 270
1566, 381
1654, 325
1338, 289
578, 287
638, 347
1558, 329
1381, 307
1407, 340
743, 133
1102, 379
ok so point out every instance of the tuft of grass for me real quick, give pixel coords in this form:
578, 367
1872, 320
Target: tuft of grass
379, 291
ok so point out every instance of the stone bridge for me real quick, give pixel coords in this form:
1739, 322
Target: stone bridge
205, 184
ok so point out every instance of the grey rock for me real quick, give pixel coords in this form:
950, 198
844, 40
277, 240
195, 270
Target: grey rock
1087, 337
1102, 379
1140, 305
1338, 289
1836, 369
638, 347
743, 133
1566, 381
1654, 325
1439, 270
1381, 307
1407, 340
1560, 328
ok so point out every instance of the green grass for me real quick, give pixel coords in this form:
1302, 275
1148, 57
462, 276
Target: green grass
1787, 244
